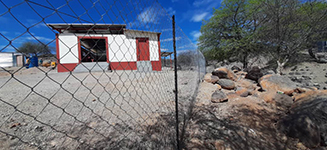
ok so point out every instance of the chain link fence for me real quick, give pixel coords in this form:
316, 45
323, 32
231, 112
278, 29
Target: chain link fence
94, 75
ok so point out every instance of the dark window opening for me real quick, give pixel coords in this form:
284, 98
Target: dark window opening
93, 50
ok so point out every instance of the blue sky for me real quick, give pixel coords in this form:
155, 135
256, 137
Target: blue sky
190, 13
26, 20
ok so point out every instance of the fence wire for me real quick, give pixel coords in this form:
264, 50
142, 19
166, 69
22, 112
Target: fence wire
92, 75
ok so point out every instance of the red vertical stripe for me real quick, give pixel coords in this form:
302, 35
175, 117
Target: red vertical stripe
57, 48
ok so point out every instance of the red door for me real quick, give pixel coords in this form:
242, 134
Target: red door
142, 52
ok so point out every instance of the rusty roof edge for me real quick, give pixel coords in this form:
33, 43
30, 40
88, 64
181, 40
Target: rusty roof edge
142, 31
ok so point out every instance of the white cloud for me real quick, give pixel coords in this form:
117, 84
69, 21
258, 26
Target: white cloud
184, 51
149, 15
201, 2
4, 19
170, 39
198, 8
6, 48
166, 30
195, 34
35, 23
199, 17
4, 32
171, 11
40, 38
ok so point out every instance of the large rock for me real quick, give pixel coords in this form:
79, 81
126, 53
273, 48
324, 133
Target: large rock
321, 58
207, 77
250, 103
269, 72
307, 96
254, 73
243, 92
210, 78
246, 83
302, 127
218, 97
226, 84
305, 89
280, 100
205, 92
224, 73
236, 68
273, 82
214, 79
307, 119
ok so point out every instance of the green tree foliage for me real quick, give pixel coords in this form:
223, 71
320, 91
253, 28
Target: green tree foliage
230, 33
34, 49
314, 18
279, 29
187, 58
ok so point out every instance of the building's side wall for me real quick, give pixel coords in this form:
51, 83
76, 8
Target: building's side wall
153, 42
6, 60
122, 52
68, 47
121, 48
154, 46
67, 52
20, 60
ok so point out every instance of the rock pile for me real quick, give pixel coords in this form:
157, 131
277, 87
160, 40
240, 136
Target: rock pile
304, 108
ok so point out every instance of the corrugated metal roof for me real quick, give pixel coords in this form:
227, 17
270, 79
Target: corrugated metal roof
98, 28
165, 54
142, 31
86, 27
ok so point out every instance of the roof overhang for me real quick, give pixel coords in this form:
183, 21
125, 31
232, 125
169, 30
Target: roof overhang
86, 28
140, 31
165, 54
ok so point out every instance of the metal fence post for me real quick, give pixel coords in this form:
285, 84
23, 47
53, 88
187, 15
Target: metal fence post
176, 87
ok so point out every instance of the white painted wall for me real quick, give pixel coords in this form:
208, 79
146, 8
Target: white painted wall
6, 60
122, 47
68, 49
153, 42
154, 51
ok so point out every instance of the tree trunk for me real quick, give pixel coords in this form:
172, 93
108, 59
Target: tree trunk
280, 67
311, 53
245, 64
244, 60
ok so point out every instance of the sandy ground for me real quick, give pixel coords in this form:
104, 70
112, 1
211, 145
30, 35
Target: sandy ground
311, 74
40, 108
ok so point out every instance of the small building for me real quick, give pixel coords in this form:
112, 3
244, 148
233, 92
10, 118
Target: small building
322, 46
82, 47
11, 59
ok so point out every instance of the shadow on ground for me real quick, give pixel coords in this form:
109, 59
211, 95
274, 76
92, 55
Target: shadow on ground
243, 129
159, 135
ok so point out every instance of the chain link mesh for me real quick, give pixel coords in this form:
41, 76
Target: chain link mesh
94, 74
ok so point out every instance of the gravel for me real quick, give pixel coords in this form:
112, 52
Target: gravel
42, 108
